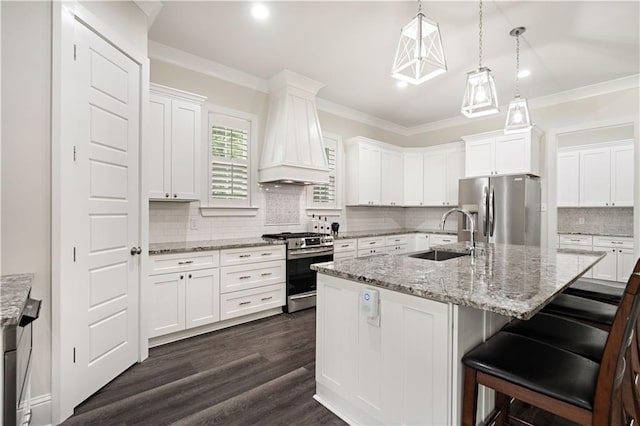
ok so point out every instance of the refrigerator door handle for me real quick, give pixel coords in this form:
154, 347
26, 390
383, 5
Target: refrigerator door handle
492, 210
485, 196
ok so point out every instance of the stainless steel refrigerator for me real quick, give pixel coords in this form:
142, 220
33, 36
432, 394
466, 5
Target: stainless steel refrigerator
506, 209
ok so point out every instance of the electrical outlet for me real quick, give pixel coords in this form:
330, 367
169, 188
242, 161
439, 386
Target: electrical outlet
581, 221
193, 224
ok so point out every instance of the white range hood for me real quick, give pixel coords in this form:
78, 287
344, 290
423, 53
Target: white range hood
293, 151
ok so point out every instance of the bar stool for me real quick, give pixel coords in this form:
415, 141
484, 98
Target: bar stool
595, 290
554, 379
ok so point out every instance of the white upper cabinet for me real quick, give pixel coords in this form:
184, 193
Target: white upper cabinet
413, 179
495, 153
622, 176
363, 172
391, 178
174, 132
597, 175
435, 179
568, 189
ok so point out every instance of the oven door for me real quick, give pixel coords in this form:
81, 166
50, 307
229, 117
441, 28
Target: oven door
301, 280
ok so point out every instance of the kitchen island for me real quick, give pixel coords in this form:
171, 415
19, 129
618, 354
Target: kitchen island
402, 366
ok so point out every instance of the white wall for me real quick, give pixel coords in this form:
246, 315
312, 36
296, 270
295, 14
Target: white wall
26, 150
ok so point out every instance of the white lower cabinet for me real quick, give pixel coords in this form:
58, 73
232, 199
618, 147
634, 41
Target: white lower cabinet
582, 261
404, 369
441, 239
626, 263
183, 300
245, 302
618, 262
345, 249
420, 242
606, 268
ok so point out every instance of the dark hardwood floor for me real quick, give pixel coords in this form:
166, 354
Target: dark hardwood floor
262, 372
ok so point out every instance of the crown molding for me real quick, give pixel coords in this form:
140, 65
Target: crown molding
151, 8
359, 116
183, 59
571, 95
199, 64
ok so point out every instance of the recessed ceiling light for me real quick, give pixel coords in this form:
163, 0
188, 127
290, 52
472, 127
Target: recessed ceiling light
402, 84
524, 73
260, 11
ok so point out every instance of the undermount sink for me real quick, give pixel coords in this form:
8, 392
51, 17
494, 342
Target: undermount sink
437, 255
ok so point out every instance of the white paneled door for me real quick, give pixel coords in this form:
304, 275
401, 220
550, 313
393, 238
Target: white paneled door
106, 200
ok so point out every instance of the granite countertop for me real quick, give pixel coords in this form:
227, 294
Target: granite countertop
602, 234
14, 292
190, 246
510, 280
381, 233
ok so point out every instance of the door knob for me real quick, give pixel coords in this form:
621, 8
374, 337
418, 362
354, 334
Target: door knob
135, 250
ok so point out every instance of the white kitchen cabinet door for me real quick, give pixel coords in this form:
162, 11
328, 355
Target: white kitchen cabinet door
626, 262
167, 307
363, 173
159, 159
202, 297
435, 179
413, 180
344, 255
391, 178
606, 268
595, 177
512, 154
420, 242
455, 170
185, 150
622, 176
479, 157
568, 188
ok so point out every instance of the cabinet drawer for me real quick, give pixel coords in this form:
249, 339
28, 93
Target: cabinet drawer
437, 239
576, 240
371, 251
397, 249
251, 254
344, 255
344, 245
618, 242
166, 263
249, 301
365, 243
259, 274
394, 240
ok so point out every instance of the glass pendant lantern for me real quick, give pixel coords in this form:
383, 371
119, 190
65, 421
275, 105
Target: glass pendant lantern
518, 119
480, 93
419, 56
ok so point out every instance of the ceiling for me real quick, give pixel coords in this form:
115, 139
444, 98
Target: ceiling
350, 47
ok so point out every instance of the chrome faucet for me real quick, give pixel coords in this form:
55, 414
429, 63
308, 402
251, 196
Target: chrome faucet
472, 250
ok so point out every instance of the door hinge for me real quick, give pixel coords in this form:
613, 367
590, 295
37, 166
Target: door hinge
74, 254
74, 52
74, 355
74, 153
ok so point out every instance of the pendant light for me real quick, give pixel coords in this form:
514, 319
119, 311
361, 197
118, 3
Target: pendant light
480, 93
518, 119
420, 55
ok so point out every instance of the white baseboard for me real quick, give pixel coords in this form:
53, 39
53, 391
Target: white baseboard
41, 410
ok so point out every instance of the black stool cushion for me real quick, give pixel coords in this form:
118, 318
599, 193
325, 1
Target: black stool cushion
596, 291
564, 333
580, 308
538, 366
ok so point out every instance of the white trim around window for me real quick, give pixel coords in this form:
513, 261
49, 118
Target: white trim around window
235, 191
327, 199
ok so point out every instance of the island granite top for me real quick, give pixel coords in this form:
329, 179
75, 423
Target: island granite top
14, 292
510, 280
381, 233
191, 246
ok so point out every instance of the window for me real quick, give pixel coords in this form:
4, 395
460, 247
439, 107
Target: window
230, 139
325, 196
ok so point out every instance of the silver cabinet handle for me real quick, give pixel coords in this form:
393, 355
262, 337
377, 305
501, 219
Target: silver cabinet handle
344, 245
244, 303
267, 298
186, 262
617, 242
267, 254
265, 274
166, 195
134, 251
244, 277
245, 255
175, 195
372, 242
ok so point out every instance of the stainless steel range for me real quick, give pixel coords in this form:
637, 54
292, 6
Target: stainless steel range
303, 249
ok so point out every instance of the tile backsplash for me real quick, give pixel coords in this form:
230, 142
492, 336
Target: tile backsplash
596, 220
282, 209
